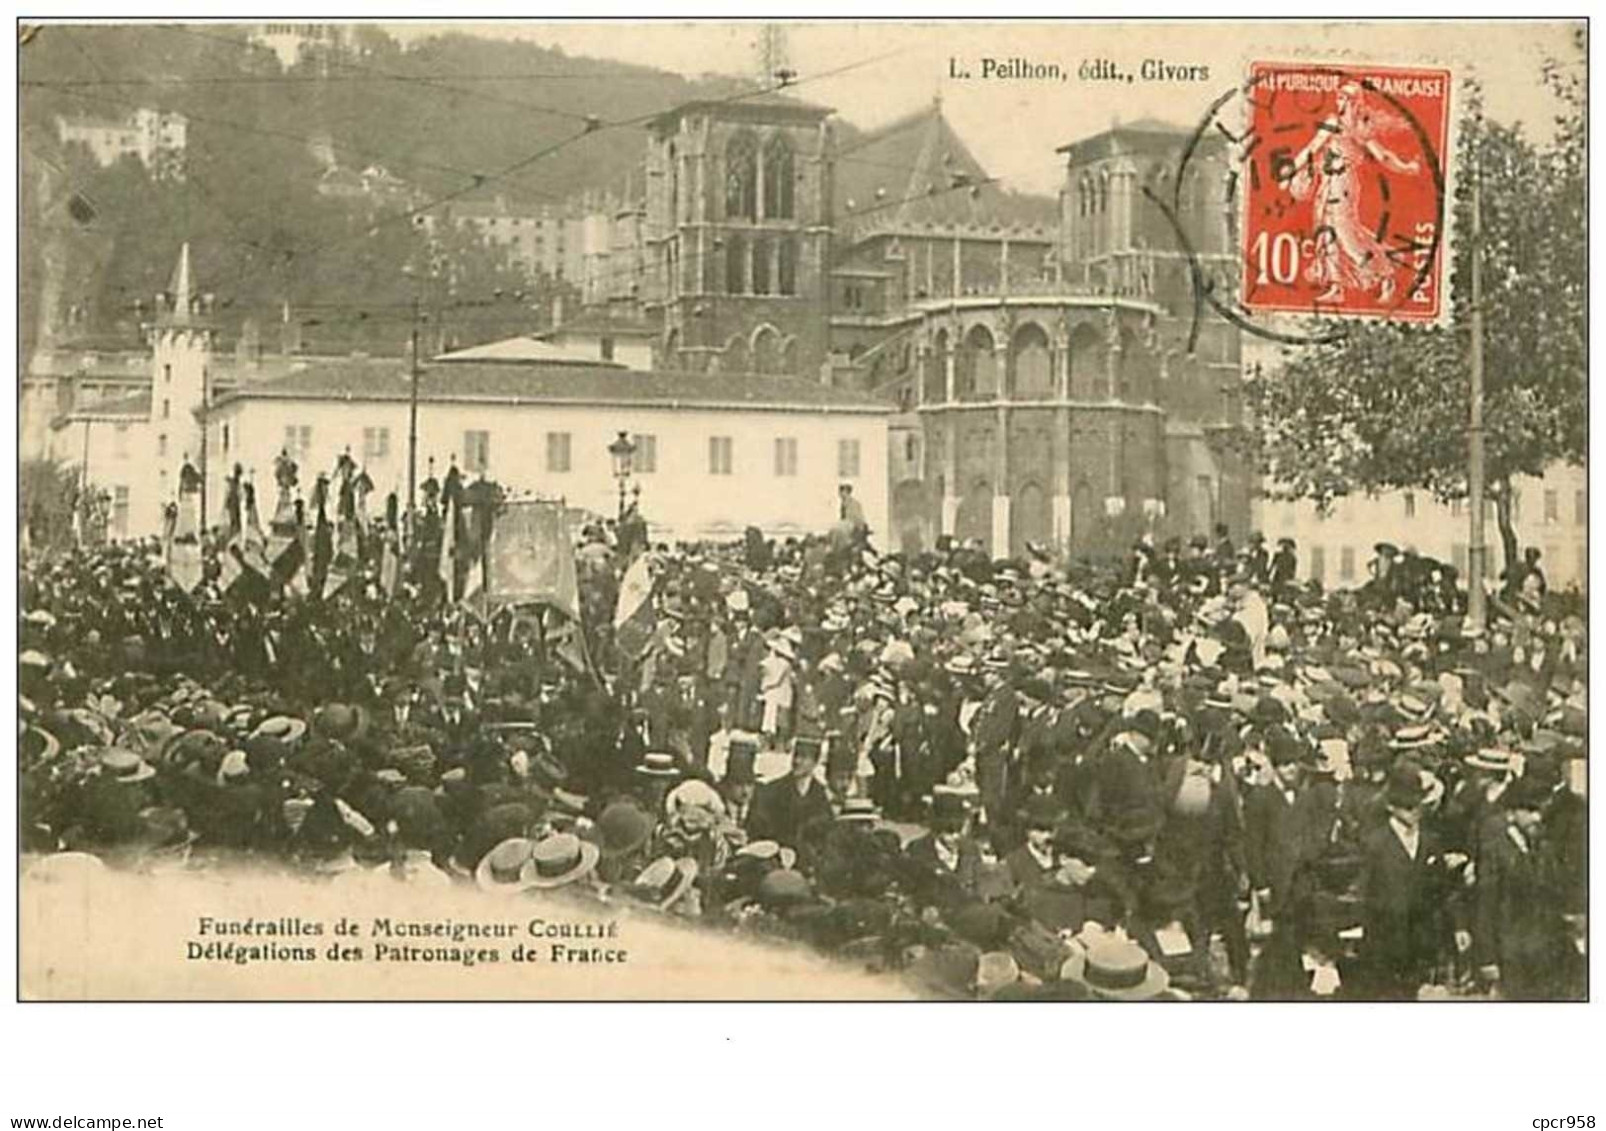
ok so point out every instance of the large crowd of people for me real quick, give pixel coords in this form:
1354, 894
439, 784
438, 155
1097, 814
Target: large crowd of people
1182, 776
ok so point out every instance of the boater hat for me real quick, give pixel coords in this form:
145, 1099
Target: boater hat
559, 859
663, 883
1116, 969
503, 868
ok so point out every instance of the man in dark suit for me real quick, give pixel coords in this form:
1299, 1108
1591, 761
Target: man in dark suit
1519, 936
784, 808
1286, 825
1405, 892
941, 865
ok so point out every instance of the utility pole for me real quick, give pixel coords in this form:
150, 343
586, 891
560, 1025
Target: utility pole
412, 425
1477, 565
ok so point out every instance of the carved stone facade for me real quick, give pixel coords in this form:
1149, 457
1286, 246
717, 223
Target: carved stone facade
738, 230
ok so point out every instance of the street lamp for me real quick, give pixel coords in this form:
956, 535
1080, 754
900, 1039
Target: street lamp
622, 451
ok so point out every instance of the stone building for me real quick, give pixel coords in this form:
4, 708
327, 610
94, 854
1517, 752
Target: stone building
1045, 386
737, 235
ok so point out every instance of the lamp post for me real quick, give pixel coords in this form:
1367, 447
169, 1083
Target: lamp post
622, 451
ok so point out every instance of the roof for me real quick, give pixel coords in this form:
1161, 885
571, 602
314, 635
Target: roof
766, 106
595, 384
135, 407
917, 171
592, 324
1144, 136
524, 350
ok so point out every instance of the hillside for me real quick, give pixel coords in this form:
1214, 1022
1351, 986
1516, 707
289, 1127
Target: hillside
451, 116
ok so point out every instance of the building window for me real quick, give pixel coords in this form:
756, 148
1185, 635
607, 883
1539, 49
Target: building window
735, 265
557, 452
1318, 564
1552, 507
761, 267
120, 441
785, 456
1410, 504
375, 444
847, 459
778, 179
607, 349
911, 448
161, 445
645, 461
225, 439
476, 451
786, 272
167, 411
120, 511
741, 177
1346, 563
1580, 508
298, 441
719, 455
167, 374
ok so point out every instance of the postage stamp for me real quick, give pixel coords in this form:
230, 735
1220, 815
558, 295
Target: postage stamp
1343, 183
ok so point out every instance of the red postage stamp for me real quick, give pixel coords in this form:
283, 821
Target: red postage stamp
1345, 190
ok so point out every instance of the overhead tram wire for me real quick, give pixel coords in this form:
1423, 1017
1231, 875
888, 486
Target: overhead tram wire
593, 126
699, 257
479, 181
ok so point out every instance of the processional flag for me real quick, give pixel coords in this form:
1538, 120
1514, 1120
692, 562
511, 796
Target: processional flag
531, 558
634, 617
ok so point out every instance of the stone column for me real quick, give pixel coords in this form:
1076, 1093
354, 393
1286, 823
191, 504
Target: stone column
1003, 267
1001, 500
1112, 361
959, 269
950, 469
922, 355
949, 367
1062, 475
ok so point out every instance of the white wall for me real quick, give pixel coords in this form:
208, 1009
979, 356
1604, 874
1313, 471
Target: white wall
1439, 531
680, 497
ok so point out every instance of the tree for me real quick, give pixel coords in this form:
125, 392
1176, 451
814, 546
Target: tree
49, 494
1385, 405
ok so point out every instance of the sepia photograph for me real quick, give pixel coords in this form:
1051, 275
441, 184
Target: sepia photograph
803, 511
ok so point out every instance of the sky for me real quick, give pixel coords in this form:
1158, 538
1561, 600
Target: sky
874, 72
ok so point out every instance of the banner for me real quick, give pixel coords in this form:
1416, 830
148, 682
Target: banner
634, 617
532, 558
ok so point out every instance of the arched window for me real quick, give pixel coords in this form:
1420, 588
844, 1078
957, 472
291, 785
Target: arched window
741, 177
672, 350
1087, 364
1033, 374
674, 184
978, 366
735, 265
735, 359
789, 356
1084, 196
778, 179
766, 350
1104, 192
786, 268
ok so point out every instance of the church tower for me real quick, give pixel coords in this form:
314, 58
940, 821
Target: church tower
738, 233
181, 357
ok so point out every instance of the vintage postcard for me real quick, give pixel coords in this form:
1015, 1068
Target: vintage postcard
886, 511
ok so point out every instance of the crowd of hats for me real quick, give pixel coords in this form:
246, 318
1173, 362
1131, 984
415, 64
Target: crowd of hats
372, 740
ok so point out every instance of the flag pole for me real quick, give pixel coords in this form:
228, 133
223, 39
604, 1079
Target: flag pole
1477, 564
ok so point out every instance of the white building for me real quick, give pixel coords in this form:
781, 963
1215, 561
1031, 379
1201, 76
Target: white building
714, 454
157, 139
1552, 514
